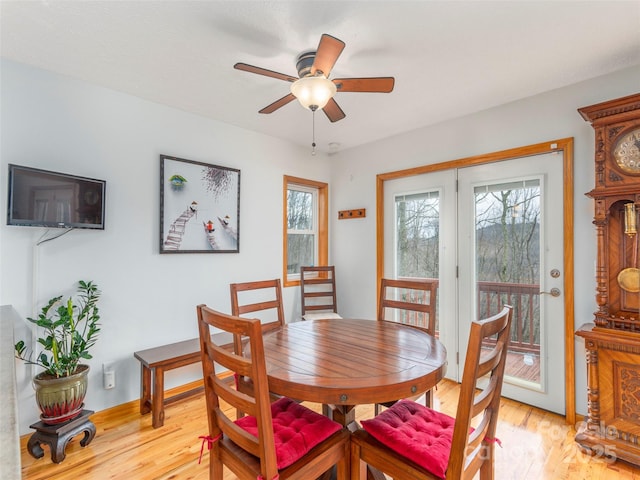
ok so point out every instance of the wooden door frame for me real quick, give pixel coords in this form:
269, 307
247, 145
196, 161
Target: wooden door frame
564, 145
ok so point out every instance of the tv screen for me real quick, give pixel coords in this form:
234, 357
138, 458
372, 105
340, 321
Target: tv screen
40, 198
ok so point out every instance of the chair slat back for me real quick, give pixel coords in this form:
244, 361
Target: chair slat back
318, 289
262, 299
256, 402
411, 301
479, 401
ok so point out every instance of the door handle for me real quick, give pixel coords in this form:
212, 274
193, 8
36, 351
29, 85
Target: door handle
554, 292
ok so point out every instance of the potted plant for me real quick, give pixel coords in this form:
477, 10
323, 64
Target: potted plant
69, 329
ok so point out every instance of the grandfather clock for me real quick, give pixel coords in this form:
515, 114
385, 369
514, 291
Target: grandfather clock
612, 341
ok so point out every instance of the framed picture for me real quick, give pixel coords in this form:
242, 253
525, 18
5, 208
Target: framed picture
199, 207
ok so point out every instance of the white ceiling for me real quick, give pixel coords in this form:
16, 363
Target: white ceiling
449, 58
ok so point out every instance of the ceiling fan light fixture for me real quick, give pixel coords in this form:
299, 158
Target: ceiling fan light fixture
313, 92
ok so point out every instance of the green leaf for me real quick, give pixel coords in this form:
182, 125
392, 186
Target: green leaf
44, 360
69, 330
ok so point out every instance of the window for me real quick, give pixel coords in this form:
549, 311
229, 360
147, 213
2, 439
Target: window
301, 227
305, 226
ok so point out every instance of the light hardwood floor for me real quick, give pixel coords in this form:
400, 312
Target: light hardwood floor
535, 445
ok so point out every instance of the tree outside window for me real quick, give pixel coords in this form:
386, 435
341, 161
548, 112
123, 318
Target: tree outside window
301, 228
418, 235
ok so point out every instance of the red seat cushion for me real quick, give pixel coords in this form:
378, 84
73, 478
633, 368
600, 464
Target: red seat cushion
416, 432
296, 429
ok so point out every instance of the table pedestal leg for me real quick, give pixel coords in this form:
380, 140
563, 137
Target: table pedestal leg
344, 414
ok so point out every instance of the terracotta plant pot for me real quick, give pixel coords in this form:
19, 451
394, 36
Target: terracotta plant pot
61, 399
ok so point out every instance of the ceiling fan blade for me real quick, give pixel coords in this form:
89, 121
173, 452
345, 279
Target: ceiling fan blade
329, 49
263, 71
277, 104
333, 111
373, 85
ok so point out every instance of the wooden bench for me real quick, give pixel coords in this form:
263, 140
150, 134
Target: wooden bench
154, 362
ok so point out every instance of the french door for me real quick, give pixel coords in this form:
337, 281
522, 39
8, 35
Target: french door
491, 234
510, 224
421, 243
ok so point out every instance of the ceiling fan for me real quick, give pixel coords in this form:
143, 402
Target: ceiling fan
312, 87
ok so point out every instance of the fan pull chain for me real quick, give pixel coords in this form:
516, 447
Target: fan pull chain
313, 128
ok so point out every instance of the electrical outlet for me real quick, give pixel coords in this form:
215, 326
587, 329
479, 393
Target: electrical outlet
108, 377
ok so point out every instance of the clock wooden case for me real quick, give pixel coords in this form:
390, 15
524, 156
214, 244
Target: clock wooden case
612, 341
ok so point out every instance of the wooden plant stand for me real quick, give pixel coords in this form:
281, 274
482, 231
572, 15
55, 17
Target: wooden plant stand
58, 436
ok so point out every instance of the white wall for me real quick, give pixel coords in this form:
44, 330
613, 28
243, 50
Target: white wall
57, 123
54, 122
549, 116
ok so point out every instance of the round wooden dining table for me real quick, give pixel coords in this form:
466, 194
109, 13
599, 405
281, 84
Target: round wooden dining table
348, 362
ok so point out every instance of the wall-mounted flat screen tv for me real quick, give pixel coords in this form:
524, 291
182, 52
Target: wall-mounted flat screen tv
41, 198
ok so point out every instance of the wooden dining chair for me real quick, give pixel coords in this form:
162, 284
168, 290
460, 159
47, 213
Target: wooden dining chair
281, 440
261, 299
318, 292
410, 302
409, 441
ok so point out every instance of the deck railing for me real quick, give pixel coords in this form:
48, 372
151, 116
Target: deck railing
525, 299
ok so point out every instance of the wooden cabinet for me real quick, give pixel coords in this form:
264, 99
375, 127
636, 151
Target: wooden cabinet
612, 341
612, 427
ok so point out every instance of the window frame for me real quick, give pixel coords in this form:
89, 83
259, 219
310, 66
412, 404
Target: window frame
321, 220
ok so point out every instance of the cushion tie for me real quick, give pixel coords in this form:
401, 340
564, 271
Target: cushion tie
487, 439
493, 440
210, 441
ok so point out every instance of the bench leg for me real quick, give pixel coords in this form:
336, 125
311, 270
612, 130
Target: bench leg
157, 407
145, 389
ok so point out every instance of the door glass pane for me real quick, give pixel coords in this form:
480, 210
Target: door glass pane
507, 243
418, 236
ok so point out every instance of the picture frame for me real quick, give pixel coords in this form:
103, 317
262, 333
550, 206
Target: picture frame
199, 207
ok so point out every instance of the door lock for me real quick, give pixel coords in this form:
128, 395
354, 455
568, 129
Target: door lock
555, 292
